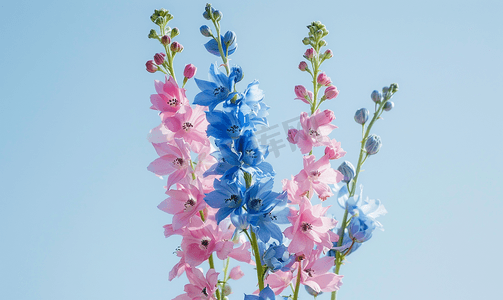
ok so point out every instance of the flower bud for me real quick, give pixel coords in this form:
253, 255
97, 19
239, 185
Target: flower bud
331, 92
206, 15
306, 41
303, 66
174, 32
312, 292
206, 31
208, 12
322, 43
227, 290
376, 96
373, 144
159, 58
388, 105
152, 34
361, 116
385, 89
328, 54
189, 71
165, 40
176, 47
323, 79
348, 170
310, 53
230, 38
218, 15
394, 87
292, 133
236, 73
151, 66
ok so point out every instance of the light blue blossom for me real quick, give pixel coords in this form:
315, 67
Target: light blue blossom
229, 44
215, 91
265, 294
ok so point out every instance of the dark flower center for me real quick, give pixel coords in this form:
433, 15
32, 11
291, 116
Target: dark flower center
309, 272
204, 292
313, 132
187, 126
233, 129
204, 243
306, 226
220, 92
251, 153
255, 204
233, 201
173, 102
178, 162
315, 174
189, 204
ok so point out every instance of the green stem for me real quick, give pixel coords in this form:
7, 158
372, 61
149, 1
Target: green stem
220, 48
258, 262
297, 284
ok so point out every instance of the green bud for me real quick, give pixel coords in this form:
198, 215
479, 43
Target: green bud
154, 16
393, 87
322, 43
306, 41
152, 34
159, 21
174, 32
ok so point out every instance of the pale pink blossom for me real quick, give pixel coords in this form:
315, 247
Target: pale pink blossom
317, 175
174, 160
316, 273
236, 273
190, 126
200, 242
278, 281
183, 203
310, 227
334, 150
200, 288
169, 98
315, 130
292, 189
180, 267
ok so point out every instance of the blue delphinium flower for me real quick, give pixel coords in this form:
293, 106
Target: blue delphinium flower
347, 242
265, 294
250, 102
276, 257
361, 227
215, 91
228, 196
265, 222
226, 126
229, 44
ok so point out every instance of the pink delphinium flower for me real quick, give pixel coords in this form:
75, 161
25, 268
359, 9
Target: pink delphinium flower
303, 94
292, 189
199, 242
309, 228
278, 281
316, 129
190, 126
180, 267
183, 203
317, 175
315, 272
334, 150
169, 98
236, 273
200, 288
173, 160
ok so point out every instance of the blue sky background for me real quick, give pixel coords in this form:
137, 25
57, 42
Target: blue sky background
78, 216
